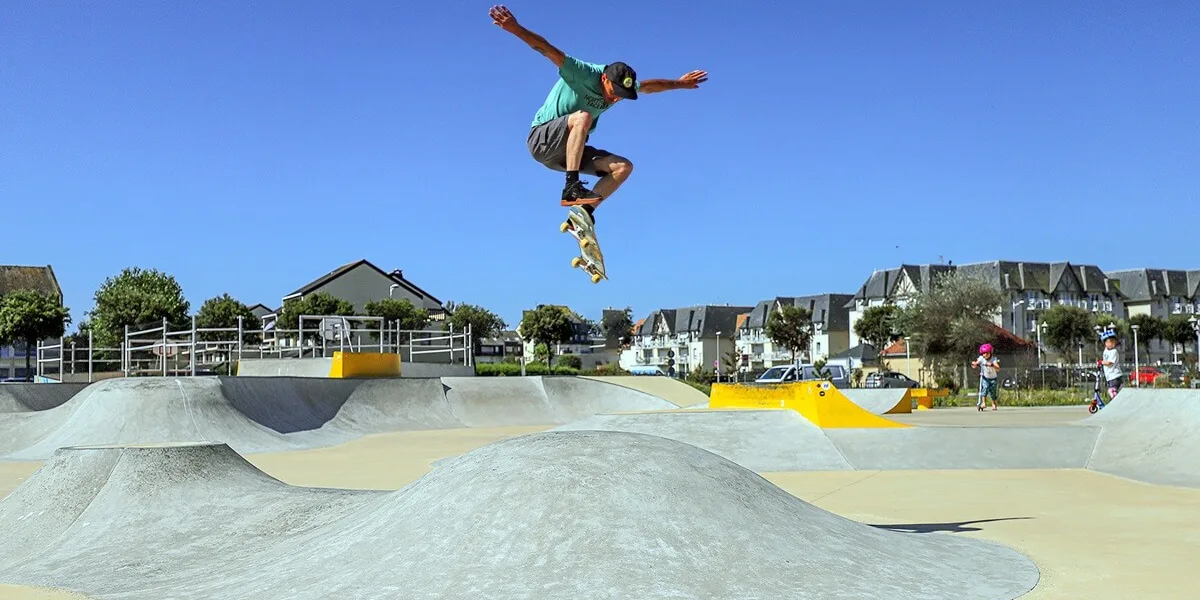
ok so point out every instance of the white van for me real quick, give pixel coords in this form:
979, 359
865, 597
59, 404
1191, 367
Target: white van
789, 373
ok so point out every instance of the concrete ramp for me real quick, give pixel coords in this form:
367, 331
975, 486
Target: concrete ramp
667, 388
148, 410
760, 440
581, 514
1150, 435
888, 401
29, 397
818, 401
271, 414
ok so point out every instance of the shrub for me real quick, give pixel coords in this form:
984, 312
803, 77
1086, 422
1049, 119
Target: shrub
514, 370
1162, 381
609, 369
945, 379
570, 360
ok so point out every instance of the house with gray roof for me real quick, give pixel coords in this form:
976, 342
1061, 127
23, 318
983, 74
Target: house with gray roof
1029, 290
1159, 293
19, 277
506, 345
360, 282
680, 340
830, 330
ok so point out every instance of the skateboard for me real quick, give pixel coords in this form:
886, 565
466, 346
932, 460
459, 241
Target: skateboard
591, 259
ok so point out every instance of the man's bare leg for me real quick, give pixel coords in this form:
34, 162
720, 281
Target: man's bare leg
578, 124
618, 169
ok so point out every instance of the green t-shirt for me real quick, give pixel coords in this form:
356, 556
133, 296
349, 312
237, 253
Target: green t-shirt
578, 88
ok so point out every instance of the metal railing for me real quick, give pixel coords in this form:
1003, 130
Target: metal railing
165, 352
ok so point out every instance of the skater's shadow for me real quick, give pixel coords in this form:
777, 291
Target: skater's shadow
958, 527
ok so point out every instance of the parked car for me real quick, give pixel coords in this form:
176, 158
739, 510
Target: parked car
789, 373
890, 379
1145, 375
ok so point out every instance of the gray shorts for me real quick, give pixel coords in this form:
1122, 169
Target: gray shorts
548, 145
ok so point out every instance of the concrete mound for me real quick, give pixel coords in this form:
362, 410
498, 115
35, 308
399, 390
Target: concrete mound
271, 414
141, 509
550, 515
760, 440
1151, 436
149, 410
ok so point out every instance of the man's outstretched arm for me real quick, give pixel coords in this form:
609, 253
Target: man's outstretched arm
505, 19
690, 81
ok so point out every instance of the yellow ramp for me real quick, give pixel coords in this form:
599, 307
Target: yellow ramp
365, 364
818, 401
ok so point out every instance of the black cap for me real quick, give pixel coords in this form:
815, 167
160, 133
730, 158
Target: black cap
623, 78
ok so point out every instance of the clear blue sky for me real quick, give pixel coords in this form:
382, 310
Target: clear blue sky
251, 147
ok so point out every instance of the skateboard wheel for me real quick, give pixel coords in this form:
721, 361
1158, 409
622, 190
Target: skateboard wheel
584, 243
596, 278
564, 227
575, 262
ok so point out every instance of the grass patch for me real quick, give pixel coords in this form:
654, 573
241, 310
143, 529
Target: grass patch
1024, 398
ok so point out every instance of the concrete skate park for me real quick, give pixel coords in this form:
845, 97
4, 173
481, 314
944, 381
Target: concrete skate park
574, 487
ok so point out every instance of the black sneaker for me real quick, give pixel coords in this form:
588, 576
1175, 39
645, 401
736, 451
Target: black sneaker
576, 194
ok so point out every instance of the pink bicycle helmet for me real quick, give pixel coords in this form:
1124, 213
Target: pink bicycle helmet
984, 349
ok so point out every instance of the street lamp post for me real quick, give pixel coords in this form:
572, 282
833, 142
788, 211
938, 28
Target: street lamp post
1137, 381
717, 362
907, 359
1040, 327
1096, 341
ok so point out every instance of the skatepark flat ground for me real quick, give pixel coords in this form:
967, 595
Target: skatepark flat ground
1091, 535
1004, 416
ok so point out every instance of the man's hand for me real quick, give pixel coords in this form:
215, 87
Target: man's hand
689, 81
504, 18
692, 80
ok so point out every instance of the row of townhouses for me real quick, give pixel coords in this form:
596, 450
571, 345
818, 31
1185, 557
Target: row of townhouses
669, 341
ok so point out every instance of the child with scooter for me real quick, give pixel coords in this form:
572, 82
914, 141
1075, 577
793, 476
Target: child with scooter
989, 370
1110, 362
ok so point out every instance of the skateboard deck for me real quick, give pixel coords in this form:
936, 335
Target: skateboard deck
591, 259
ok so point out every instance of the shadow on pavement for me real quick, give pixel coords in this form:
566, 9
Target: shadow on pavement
958, 527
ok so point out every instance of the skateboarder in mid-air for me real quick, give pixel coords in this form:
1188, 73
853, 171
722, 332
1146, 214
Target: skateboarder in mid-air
562, 126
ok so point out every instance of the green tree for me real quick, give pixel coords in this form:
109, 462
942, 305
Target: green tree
315, 304
1149, 329
1178, 330
1067, 327
29, 316
549, 325
790, 327
483, 322
878, 327
820, 370
541, 353
222, 312
618, 326
732, 360
136, 298
80, 337
411, 316
951, 319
